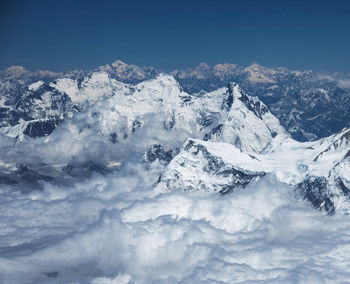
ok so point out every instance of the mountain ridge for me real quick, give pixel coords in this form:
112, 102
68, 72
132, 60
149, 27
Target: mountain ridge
219, 141
310, 105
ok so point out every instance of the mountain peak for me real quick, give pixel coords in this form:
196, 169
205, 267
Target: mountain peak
15, 71
260, 74
127, 73
203, 65
118, 63
256, 64
256, 67
164, 78
225, 66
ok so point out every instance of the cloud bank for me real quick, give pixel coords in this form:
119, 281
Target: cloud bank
116, 229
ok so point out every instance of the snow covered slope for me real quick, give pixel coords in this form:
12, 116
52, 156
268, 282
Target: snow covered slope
309, 105
235, 140
104, 121
319, 170
212, 167
227, 115
107, 182
128, 73
248, 124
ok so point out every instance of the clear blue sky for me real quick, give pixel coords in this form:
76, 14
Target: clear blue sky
67, 34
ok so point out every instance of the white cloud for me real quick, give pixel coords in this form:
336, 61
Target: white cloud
117, 229
343, 83
105, 230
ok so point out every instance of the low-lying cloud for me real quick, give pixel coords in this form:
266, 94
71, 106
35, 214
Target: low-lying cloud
116, 229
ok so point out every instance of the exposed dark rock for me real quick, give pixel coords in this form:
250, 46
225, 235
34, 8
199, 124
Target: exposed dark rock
255, 106
25, 175
135, 125
113, 137
215, 131
339, 182
41, 128
52, 274
228, 101
315, 190
157, 151
207, 118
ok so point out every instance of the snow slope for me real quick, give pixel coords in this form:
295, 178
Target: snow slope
318, 170
227, 114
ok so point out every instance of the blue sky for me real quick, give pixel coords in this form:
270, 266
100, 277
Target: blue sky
63, 35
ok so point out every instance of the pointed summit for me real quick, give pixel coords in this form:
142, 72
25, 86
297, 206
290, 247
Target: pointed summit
260, 74
128, 73
119, 63
203, 66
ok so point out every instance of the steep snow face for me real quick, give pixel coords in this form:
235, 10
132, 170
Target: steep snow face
319, 170
155, 112
132, 106
309, 105
249, 125
259, 74
90, 89
35, 86
197, 167
227, 115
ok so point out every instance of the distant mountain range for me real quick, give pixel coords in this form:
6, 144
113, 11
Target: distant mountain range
310, 105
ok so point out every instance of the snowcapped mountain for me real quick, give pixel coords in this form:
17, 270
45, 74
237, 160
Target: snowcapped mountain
319, 170
155, 116
227, 114
128, 73
232, 139
19, 72
310, 105
204, 166
99, 173
29, 105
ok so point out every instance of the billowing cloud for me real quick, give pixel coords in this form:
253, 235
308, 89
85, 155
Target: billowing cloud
115, 229
99, 226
